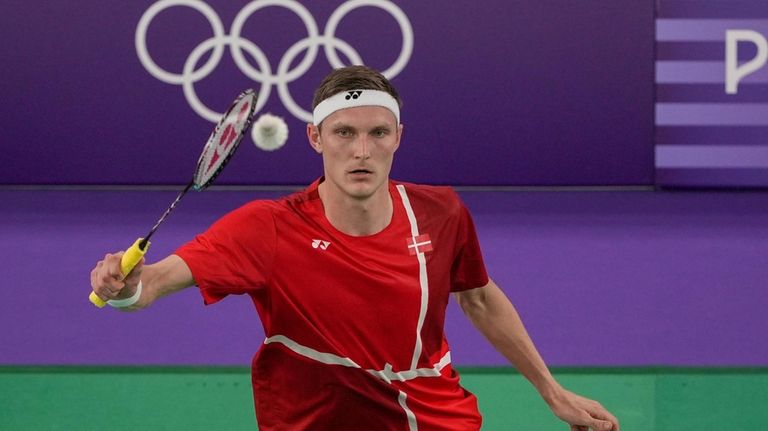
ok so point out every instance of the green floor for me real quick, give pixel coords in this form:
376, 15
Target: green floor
172, 398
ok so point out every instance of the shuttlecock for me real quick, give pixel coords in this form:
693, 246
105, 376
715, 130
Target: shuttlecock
270, 132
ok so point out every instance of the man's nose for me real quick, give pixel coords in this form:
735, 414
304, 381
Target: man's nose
362, 148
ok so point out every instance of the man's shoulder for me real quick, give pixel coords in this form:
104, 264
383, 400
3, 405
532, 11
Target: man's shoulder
259, 210
264, 206
435, 197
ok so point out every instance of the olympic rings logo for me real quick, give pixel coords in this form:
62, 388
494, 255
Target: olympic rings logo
237, 44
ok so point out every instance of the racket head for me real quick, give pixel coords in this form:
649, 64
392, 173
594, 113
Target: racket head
225, 139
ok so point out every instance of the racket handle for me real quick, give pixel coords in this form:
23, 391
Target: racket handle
131, 257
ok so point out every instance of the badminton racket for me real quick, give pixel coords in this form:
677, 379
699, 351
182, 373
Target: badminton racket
218, 150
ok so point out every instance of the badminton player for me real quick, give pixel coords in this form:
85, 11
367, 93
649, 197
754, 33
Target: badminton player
351, 278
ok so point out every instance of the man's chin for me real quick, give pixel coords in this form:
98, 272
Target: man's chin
360, 193
361, 190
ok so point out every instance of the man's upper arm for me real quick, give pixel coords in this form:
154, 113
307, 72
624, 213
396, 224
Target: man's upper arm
468, 269
474, 299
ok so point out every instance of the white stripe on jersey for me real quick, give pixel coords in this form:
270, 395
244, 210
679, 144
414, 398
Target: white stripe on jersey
387, 374
412, 426
308, 352
423, 281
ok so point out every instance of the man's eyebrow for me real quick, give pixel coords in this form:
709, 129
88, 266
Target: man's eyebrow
340, 125
380, 126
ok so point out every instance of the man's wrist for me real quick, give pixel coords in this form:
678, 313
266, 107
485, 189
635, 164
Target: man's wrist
127, 302
549, 390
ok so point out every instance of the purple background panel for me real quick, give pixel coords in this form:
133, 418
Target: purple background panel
701, 51
701, 72
714, 9
692, 135
712, 114
712, 177
712, 156
710, 93
600, 278
689, 30
545, 92
705, 137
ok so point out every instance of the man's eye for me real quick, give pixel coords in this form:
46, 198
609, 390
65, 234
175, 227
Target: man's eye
380, 133
343, 133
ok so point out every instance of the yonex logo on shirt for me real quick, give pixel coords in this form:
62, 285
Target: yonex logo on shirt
318, 243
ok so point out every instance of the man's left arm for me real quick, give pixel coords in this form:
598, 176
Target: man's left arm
495, 317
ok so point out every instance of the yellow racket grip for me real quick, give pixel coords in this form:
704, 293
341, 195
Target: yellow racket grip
131, 257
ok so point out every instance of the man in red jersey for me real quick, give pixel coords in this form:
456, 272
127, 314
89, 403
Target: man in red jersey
351, 278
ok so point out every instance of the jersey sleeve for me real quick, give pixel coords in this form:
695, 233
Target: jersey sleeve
235, 255
468, 269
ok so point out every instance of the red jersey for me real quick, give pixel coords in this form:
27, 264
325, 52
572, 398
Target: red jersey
354, 325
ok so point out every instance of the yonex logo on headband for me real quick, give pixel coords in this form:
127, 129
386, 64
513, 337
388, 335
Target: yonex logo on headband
353, 99
266, 74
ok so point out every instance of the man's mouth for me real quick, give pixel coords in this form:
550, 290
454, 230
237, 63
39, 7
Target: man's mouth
360, 171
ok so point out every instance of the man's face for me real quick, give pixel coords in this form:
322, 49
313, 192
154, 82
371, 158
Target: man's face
357, 145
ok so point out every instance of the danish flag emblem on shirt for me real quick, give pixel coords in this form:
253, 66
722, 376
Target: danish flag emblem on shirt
419, 244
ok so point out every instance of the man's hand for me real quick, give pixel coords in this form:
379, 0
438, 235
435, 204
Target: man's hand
582, 413
108, 281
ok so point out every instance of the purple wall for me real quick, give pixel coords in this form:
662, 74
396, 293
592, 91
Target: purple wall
512, 93
521, 92
600, 278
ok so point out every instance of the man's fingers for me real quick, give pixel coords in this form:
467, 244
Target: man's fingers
135, 275
584, 414
604, 417
115, 286
113, 267
109, 287
107, 278
599, 425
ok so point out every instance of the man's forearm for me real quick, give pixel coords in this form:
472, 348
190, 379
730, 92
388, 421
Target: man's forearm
162, 278
495, 317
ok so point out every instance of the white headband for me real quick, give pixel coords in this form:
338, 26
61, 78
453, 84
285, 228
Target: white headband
353, 99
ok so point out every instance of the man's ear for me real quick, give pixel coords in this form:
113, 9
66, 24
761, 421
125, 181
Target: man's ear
399, 135
313, 135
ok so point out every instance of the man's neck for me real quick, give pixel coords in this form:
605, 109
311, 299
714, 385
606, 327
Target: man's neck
357, 217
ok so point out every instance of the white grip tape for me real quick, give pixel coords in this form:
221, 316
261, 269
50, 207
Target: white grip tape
127, 302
